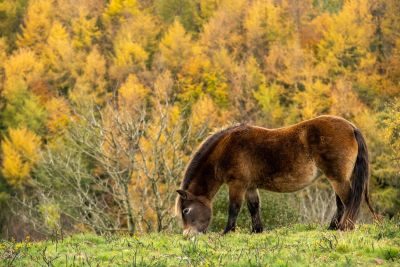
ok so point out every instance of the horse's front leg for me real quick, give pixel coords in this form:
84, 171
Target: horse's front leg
236, 196
253, 204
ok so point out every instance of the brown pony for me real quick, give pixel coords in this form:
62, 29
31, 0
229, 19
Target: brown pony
247, 157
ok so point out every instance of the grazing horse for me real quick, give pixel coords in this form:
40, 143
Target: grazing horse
247, 157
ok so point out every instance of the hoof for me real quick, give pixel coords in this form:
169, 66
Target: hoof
333, 226
228, 230
257, 229
346, 226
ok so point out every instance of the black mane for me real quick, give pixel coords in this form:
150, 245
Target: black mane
202, 152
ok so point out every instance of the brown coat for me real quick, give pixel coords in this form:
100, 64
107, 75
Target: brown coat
286, 159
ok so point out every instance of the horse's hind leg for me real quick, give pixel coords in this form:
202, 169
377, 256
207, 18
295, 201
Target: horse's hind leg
343, 190
338, 215
253, 204
236, 196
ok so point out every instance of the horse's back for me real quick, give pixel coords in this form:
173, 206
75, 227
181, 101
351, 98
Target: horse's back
286, 159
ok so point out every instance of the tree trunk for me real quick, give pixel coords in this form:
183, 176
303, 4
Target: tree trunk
129, 213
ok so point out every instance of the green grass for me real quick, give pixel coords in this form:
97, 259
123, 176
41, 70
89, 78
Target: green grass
298, 245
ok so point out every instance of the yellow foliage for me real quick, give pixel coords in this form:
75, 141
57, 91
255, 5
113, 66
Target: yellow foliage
163, 86
95, 69
90, 84
58, 37
132, 42
141, 29
392, 130
3, 51
120, 9
208, 7
38, 21
346, 36
224, 61
314, 100
254, 77
59, 45
132, 94
58, 115
3, 57
20, 152
345, 102
204, 113
175, 47
268, 99
222, 30
197, 63
13, 169
59, 53
22, 66
25, 142
263, 22
128, 54
85, 30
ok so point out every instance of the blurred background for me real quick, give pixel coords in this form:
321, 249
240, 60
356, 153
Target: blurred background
103, 102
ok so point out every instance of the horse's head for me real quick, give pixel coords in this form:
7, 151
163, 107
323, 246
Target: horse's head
195, 212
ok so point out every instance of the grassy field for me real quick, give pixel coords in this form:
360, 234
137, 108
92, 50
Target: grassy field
298, 245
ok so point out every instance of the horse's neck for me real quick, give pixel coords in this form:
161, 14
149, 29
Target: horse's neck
204, 186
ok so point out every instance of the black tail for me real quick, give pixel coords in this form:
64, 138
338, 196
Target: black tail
359, 181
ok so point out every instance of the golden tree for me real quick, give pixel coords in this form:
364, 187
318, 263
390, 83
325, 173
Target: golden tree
20, 153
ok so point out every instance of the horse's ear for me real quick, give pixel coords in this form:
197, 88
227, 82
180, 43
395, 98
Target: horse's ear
183, 193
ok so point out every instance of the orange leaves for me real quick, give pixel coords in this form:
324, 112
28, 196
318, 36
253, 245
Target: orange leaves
20, 152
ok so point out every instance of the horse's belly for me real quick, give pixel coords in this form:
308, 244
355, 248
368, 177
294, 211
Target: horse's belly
290, 182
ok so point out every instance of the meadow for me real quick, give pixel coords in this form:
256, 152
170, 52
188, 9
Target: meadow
296, 245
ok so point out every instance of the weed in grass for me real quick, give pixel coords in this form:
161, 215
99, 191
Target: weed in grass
391, 254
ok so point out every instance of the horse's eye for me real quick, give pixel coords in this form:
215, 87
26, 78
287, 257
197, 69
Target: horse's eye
186, 211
